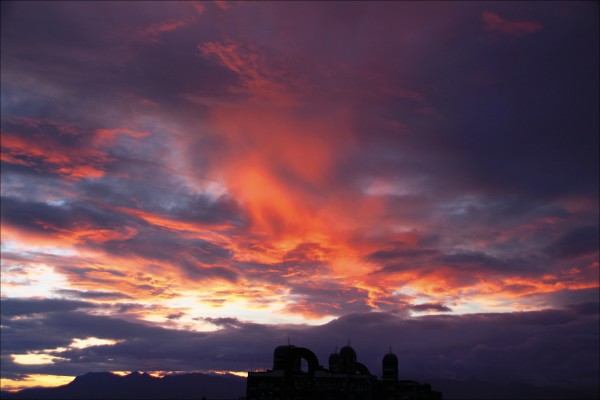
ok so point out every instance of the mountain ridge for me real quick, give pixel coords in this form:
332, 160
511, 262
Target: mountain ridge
137, 385
141, 385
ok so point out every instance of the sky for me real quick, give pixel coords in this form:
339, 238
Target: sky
186, 185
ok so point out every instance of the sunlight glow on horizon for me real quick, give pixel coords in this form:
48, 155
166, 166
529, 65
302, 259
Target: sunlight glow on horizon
40, 357
34, 380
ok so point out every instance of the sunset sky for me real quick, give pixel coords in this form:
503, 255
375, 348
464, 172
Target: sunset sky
186, 185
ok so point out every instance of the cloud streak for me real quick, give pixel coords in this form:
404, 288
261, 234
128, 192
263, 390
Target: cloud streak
495, 23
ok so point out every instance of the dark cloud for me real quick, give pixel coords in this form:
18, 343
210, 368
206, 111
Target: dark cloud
175, 316
129, 71
473, 258
198, 272
196, 259
430, 307
306, 253
299, 263
564, 297
327, 298
54, 220
16, 307
543, 159
223, 321
204, 209
578, 242
92, 294
84, 271
385, 255
479, 261
543, 347
586, 308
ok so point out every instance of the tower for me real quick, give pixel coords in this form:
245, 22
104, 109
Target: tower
348, 357
335, 362
390, 367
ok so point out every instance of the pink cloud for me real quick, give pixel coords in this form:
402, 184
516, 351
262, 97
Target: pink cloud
72, 152
199, 7
495, 23
258, 77
153, 32
223, 5
43, 152
108, 135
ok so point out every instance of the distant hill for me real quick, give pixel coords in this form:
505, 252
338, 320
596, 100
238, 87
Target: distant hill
137, 385
105, 385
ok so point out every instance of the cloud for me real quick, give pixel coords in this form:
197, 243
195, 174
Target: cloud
92, 294
327, 298
474, 346
224, 322
293, 162
17, 307
581, 241
45, 147
430, 307
223, 5
75, 223
260, 79
153, 32
495, 23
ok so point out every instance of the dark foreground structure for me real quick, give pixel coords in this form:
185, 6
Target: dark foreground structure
297, 375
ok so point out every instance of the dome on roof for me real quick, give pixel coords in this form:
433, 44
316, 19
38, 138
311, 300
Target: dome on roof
335, 362
280, 356
348, 352
390, 359
390, 366
348, 356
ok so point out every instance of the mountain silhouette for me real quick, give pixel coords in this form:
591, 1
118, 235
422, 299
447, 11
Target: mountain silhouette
138, 385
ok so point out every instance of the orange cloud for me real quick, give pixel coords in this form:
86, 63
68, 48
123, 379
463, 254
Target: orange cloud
259, 78
48, 155
199, 7
223, 5
275, 162
60, 148
210, 232
152, 33
107, 136
281, 166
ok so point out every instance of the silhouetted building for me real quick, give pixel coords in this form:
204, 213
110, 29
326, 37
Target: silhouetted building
297, 375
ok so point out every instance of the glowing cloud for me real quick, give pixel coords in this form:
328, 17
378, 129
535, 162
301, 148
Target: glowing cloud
495, 23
